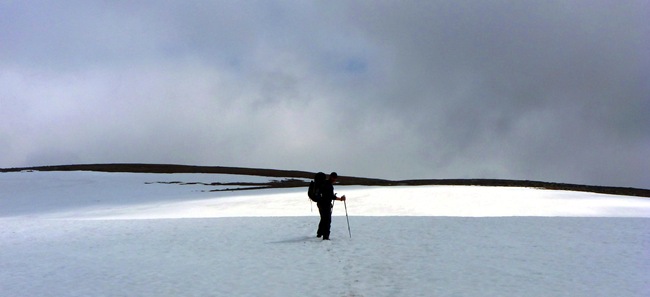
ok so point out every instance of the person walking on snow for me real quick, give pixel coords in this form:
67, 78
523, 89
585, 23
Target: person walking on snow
325, 206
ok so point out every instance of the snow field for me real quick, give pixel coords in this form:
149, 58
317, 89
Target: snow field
101, 234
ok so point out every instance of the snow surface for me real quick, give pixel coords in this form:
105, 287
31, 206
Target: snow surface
124, 234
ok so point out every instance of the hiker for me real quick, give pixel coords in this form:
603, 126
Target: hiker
325, 206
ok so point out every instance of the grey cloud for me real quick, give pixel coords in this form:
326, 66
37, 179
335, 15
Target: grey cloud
551, 90
483, 70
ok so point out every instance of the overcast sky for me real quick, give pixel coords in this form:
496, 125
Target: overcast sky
554, 91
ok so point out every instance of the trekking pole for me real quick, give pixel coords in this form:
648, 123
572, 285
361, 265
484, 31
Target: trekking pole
346, 217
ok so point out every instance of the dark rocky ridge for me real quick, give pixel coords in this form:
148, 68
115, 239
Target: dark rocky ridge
291, 177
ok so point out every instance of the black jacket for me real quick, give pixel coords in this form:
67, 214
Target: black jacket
327, 193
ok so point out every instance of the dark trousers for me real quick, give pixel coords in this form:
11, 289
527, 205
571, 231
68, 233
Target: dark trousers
325, 211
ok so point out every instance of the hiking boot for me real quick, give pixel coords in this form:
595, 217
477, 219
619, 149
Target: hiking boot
326, 238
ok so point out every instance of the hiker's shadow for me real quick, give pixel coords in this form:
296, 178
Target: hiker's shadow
294, 240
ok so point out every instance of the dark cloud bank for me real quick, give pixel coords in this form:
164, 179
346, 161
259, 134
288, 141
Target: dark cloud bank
541, 90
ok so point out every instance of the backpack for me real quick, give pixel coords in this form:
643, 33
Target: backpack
314, 187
